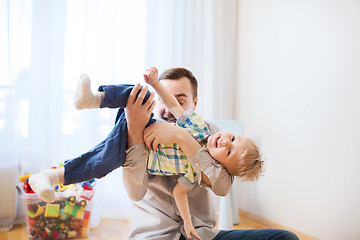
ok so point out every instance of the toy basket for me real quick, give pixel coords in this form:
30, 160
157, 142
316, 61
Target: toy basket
67, 217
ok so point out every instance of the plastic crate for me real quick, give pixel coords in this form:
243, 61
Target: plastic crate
67, 217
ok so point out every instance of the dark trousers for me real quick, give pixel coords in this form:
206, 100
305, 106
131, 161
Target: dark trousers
254, 234
110, 153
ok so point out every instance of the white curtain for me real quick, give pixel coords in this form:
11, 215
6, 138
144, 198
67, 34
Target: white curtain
45, 45
201, 36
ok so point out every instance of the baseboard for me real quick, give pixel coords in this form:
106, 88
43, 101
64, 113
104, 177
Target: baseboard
271, 224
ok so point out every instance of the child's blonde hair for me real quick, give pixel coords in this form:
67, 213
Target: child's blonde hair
250, 165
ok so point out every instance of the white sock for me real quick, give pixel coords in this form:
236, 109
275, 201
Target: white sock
84, 97
43, 182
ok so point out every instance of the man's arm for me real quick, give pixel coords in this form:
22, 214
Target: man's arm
135, 178
170, 101
212, 173
138, 114
134, 175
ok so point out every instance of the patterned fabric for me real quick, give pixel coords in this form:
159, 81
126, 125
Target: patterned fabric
169, 158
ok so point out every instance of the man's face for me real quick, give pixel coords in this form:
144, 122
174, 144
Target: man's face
182, 90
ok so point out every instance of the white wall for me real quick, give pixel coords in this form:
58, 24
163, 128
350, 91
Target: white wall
299, 97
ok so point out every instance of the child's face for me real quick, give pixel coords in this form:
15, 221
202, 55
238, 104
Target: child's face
226, 147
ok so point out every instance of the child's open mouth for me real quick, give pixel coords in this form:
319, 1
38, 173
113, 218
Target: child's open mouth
217, 141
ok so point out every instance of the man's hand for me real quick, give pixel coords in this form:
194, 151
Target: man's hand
151, 77
138, 114
162, 133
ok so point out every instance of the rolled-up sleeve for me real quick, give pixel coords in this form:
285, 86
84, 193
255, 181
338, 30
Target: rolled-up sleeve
135, 177
221, 181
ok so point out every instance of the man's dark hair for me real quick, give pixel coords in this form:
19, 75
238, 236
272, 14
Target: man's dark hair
177, 73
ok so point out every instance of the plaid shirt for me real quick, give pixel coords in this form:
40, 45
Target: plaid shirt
169, 159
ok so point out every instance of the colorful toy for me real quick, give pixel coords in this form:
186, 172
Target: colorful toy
81, 210
52, 210
70, 206
38, 211
67, 217
24, 177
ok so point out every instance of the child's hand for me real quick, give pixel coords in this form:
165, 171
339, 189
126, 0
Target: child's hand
151, 76
190, 230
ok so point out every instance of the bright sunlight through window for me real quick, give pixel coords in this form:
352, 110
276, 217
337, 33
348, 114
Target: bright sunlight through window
105, 41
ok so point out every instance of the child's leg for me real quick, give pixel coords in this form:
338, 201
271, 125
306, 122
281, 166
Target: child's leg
96, 163
116, 96
84, 97
110, 153
102, 159
111, 96
43, 182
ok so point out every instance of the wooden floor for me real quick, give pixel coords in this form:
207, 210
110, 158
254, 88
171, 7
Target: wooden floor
118, 230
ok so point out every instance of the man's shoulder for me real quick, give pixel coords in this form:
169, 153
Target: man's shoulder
212, 127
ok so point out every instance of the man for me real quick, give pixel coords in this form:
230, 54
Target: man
155, 213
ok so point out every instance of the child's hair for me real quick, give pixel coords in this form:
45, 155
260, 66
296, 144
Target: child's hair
250, 165
177, 73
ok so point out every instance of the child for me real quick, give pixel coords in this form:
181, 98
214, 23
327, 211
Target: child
239, 155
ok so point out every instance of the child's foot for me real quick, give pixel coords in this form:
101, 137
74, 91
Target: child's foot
84, 97
43, 182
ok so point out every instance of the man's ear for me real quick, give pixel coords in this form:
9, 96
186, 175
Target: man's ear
195, 103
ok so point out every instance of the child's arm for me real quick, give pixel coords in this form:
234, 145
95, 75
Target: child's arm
181, 199
151, 77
